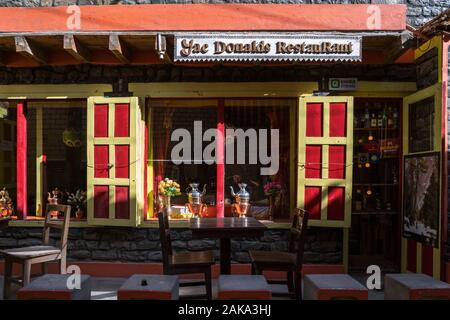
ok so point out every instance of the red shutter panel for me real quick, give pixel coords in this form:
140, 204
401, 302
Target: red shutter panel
115, 166
325, 159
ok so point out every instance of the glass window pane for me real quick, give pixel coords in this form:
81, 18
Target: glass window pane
421, 125
176, 123
64, 145
8, 152
31, 161
251, 157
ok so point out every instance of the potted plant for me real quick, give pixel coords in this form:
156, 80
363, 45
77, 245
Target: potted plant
78, 201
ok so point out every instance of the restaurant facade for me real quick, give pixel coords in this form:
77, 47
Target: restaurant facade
337, 109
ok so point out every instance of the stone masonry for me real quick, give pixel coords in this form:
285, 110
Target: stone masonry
143, 244
419, 11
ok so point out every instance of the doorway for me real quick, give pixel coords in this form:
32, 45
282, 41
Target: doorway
374, 237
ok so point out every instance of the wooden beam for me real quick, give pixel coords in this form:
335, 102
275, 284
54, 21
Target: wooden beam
30, 50
2, 59
21, 161
76, 49
397, 47
119, 49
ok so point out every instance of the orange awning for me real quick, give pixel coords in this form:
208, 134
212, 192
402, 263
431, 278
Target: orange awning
205, 17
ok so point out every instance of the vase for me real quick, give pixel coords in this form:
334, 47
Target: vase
274, 204
79, 214
167, 204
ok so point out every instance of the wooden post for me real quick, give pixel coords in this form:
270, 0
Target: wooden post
220, 167
21, 158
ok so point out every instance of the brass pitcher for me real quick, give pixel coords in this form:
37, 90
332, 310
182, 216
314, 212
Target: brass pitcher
195, 205
242, 198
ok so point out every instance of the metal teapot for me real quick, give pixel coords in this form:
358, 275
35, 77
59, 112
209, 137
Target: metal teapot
242, 200
195, 204
194, 195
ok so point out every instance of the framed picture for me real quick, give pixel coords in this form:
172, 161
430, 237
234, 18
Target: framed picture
421, 208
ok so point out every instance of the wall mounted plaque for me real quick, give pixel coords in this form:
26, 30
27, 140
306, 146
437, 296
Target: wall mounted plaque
267, 47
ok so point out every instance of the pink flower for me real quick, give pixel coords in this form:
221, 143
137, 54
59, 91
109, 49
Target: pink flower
272, 187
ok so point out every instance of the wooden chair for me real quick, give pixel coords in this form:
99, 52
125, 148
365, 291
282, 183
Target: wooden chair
27, 256
291, 261
184, 262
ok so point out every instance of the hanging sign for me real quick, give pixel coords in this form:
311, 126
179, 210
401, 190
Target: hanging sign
342, 84
266, 47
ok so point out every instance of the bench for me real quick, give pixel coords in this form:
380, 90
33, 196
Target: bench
333, 287
243, 287
55, 287
414, 286
149, 287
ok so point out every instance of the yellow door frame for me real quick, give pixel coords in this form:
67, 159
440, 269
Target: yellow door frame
435, 92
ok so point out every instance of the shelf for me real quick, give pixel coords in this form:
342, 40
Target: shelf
374, 129
355, 156
376, 184
375, 212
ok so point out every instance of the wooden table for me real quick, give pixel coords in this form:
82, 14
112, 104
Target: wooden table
224, 229
4, 222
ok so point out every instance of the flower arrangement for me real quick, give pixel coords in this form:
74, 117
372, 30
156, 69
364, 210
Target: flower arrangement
78, 200
169, 188
272, 188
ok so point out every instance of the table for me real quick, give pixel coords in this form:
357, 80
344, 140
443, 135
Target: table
4, 222
225, 229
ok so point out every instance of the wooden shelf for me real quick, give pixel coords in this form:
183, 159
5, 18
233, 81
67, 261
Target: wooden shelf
376, 184
375, 212
374, 129
355, 156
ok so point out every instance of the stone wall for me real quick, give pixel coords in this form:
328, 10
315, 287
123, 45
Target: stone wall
143, 245
168, 73
419, 11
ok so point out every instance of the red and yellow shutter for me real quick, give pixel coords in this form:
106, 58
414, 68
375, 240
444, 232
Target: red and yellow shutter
115, 169
325, 158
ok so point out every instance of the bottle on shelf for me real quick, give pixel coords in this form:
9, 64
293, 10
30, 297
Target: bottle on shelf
385, 116
373, 121
394, 175
366, 122
388, 206
395, 121
390, 120
377, 202
358, 200
380, 120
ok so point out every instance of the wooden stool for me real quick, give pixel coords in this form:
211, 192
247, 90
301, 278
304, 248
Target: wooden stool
54, 287
333, 286
245, 287
414, 286
146, 287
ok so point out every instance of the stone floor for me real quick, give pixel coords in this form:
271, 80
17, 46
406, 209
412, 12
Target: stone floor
106, 288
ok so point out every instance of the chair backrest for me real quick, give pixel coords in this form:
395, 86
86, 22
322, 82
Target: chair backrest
297, 234
164, 234
60, 224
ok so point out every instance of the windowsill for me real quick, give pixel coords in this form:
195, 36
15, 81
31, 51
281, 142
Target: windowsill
33, 221
151, 223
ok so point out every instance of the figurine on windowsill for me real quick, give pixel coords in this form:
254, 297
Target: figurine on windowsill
54, 198
6, 205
